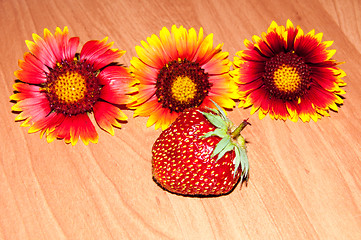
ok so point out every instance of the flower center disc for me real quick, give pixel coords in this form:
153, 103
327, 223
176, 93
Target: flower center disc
287, 76
72, 88
183, 89
182, 84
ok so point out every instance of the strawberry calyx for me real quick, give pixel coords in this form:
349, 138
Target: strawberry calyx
231, 139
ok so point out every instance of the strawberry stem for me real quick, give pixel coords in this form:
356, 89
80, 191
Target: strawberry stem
235, 134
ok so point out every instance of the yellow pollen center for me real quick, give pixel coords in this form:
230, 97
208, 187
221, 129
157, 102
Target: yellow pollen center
287, 79
70, 87
183, 89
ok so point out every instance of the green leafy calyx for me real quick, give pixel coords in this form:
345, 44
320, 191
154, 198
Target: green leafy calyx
231, 139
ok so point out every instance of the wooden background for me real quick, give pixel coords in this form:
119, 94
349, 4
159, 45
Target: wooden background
305, 178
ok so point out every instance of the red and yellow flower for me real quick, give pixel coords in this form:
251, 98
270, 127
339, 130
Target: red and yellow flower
288, 74
58, 88
180, 70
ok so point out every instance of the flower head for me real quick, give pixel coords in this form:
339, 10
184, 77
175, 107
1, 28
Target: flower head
288, 74
180, 70
58, 88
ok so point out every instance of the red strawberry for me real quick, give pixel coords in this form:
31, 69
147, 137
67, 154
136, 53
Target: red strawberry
199, 154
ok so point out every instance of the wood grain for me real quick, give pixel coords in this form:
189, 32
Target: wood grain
305, 178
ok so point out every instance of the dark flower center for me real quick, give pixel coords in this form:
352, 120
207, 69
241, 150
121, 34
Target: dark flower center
182, 84
287, 76
72, 88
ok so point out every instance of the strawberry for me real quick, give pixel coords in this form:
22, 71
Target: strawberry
199, 154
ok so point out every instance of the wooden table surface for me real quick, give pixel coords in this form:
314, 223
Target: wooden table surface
305, 178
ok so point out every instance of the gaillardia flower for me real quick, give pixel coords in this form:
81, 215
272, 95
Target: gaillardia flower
57, 88
180, 70
288, 74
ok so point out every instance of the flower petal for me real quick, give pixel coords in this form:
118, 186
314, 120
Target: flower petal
99, 54
107, 116
118, 84
74, 127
